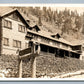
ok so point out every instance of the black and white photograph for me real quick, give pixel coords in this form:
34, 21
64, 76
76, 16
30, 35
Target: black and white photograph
42, 41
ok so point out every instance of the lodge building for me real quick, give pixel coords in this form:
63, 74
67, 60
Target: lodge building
16, 32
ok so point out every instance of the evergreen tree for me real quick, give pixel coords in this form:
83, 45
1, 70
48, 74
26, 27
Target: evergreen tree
39, 21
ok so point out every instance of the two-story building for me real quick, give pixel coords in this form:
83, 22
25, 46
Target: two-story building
15, 33
13, 29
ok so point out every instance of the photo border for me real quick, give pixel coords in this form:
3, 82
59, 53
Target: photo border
36, 79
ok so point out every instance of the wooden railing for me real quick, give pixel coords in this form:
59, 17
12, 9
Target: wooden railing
46, 53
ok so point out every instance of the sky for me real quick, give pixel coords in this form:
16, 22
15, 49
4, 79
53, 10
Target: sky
41, 1
56, 4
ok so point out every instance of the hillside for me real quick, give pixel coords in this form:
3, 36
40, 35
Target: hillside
45, 65
69, 24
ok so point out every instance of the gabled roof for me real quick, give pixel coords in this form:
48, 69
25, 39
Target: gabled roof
78, 42
25, 17
37, 28
7, 10
48, 35
57, 34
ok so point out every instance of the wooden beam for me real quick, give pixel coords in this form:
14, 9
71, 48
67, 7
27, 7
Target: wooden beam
55, 52
30, 54
20, 68
33, 64
47, 49
58, 52
39, 49
64, 53
25, 56
25, 51
69, 53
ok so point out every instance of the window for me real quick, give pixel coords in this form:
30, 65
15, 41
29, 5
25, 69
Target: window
7, 24
16, 44
6, 41
21, 28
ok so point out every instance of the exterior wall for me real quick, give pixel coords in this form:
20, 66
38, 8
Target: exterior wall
13, 34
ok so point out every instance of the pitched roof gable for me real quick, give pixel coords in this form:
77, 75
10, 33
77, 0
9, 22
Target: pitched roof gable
48, 35
4, 11
57, 34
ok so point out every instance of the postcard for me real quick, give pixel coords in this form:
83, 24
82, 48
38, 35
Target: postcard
42, 41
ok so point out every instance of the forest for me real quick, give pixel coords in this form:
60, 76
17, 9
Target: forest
67, 21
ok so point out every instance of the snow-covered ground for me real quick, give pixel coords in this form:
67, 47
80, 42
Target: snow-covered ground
77, 74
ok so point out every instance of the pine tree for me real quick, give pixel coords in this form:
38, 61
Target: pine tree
39, 21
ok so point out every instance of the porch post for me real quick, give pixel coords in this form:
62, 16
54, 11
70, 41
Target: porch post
20, 68
64, 53
33, 67
33, 63
69, 54
58, 52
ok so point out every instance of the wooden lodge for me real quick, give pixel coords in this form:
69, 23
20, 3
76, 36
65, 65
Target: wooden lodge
16, 33
52, 45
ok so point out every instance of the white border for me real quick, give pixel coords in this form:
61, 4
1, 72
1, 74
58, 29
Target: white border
43, 79
47, 5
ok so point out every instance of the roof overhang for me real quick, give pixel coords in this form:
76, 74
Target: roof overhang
56, 47
15, 10
36, 33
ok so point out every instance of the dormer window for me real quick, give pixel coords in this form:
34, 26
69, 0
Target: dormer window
57, 36
35, 28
